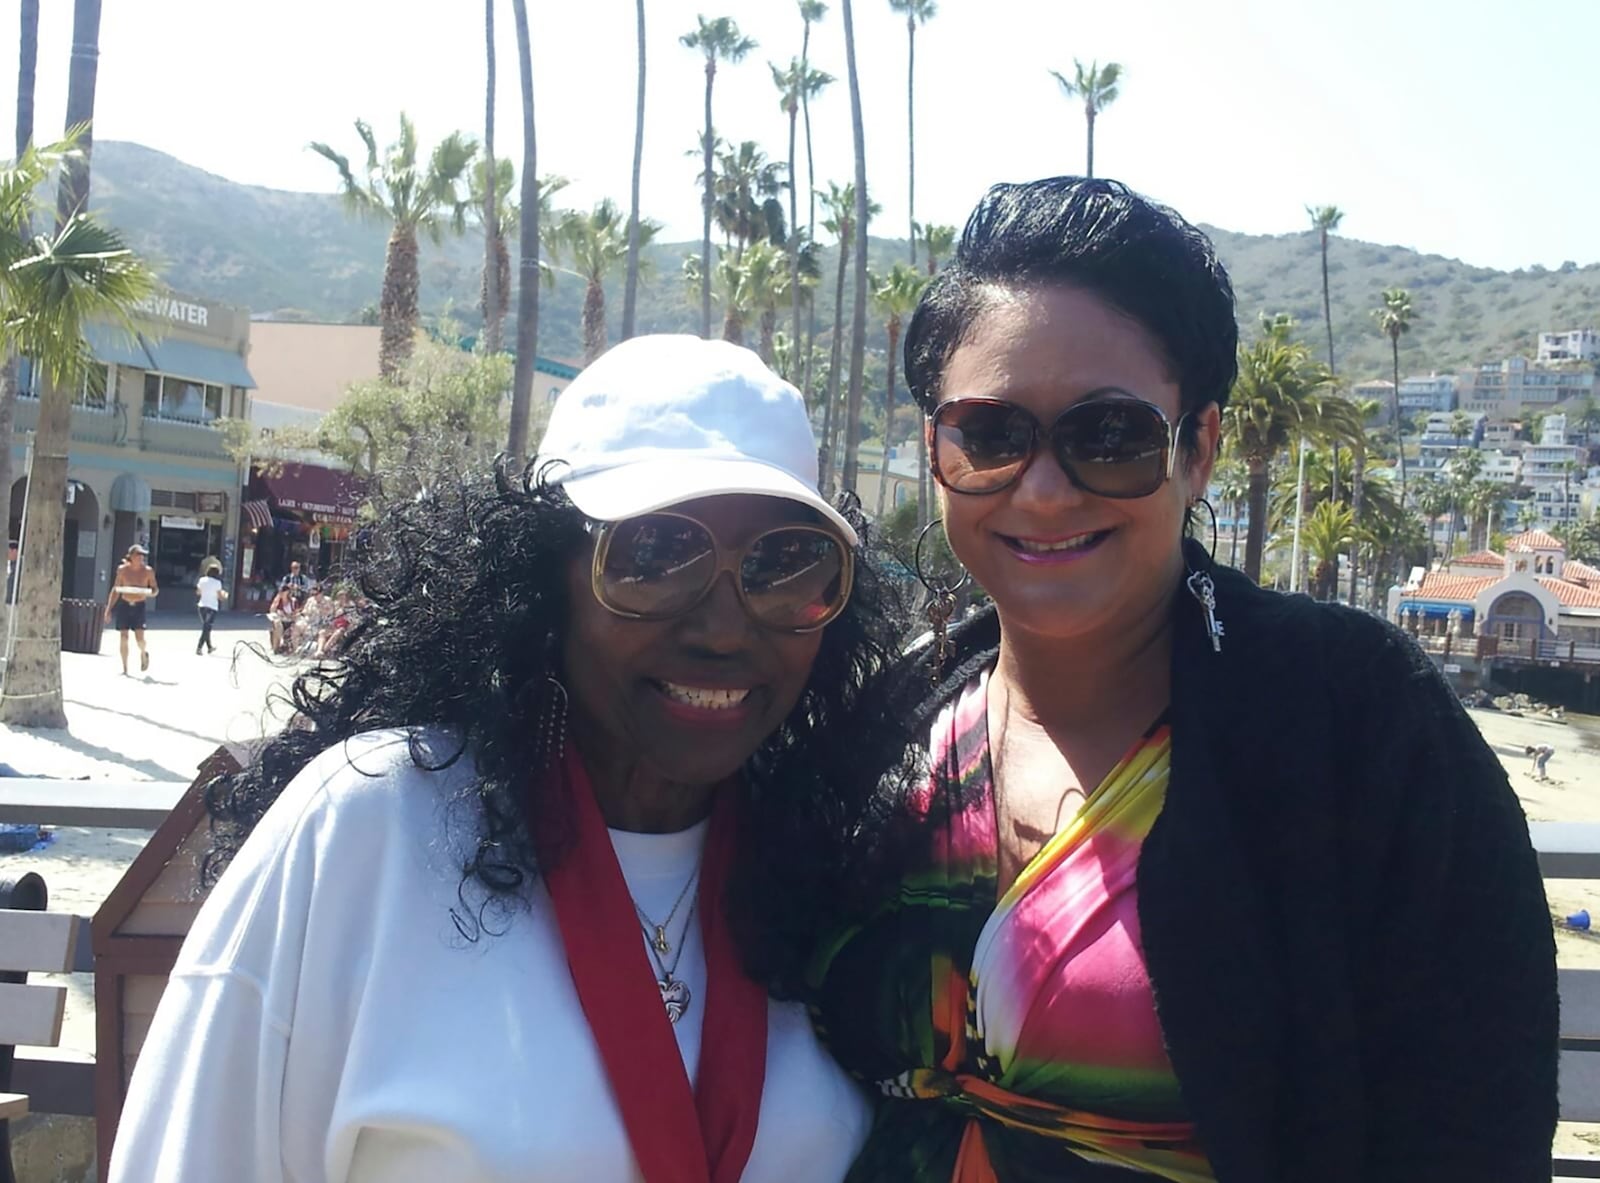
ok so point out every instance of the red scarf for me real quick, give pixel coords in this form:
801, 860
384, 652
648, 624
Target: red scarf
678, 1134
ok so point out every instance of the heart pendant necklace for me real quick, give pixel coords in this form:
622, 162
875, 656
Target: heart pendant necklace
675, 993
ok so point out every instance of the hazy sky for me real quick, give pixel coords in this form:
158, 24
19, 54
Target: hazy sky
1451, 126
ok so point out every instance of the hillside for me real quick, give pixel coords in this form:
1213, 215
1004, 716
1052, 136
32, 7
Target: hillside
300, 255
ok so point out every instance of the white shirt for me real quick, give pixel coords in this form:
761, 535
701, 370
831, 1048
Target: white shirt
327, 1022
208, 587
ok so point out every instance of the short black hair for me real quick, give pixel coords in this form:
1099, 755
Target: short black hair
1141, 258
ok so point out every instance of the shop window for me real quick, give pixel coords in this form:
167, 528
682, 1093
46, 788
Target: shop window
92, 392
181, 399
161, 498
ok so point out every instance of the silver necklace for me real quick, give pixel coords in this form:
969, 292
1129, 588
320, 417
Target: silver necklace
655, 933
675, 995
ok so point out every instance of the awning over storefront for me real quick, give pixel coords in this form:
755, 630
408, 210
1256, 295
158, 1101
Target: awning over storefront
185, 359
117, 347
325, 493
130, 494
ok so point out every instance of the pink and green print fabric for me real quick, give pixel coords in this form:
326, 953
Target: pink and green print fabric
1013, 1039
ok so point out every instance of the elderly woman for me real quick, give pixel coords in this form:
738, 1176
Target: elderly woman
474, 924
1179, 879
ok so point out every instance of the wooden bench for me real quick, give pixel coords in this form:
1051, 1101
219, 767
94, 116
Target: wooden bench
31, 941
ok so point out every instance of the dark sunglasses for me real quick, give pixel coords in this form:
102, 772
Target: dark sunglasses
791, 579
1111, 447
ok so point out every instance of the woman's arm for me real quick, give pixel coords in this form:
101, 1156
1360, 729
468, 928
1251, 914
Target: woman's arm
1459, 1010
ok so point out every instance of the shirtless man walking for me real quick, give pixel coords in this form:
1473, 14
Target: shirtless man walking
134, 573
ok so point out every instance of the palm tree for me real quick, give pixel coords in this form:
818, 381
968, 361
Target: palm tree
630, 292
858, 312
1462, 473
1433, 500
728, 288
485, 201
937, 243
1394, 319
1273, 403
811, 11
594, 243
82, 76
1329, 530
895, 297
413, 199
51, 285
717, 39
28, 58
841, 223
765, 280
1365, 409
789, 81
1325, 220
917, 12
1482, 499
528, 272
746, 188
493, 207
1097, 87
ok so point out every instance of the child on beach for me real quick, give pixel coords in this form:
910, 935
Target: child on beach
1540, 754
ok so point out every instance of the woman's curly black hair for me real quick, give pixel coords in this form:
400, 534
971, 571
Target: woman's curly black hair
466, 584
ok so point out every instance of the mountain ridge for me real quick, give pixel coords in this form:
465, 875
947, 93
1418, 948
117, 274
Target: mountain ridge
288, 255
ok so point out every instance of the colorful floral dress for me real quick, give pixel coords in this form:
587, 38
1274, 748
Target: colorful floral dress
1013, 1039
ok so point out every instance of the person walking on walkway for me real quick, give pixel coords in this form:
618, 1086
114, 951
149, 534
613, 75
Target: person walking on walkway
135, 583
209, 592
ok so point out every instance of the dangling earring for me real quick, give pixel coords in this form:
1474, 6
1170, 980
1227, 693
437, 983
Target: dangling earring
941, 603
1200, 584
550, 732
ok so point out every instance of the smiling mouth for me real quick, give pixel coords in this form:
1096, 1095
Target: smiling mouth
703, 698
1057, 547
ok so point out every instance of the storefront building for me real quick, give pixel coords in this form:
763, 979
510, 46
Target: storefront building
147, 461
293, 513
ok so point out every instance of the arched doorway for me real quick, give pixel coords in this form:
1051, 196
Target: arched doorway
1516, 620
80, 537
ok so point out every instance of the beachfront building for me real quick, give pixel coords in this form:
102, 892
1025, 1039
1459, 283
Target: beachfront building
1487, 613
1428, 394
1380, 391
301, 506
1507, 387
147, 462
1569, 345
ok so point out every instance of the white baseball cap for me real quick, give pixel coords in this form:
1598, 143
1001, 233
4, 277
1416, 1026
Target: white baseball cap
663, 419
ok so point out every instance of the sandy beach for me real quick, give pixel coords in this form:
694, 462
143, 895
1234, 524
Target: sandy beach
161, 725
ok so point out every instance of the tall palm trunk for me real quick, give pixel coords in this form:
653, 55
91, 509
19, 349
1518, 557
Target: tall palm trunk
27, 65
830, 416
1233, 543
594, 321
858, 313
630, 293
888, 415
493, 293
769, 327
811, 196
397, 306
32, 690
1327, 318
1255, 539
81, 79
1358, 491
794, 243
1088, 116
705, 201
733, 325
911, 132
528, 263
1399, 431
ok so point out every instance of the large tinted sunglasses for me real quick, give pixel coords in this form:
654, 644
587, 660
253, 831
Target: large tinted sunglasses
792, 578
1111, 447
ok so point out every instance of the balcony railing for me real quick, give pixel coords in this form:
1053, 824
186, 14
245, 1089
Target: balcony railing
182, 437
90, 425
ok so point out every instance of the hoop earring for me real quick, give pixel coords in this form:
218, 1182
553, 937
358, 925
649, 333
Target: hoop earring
941, 602
1211, 552
1200, 584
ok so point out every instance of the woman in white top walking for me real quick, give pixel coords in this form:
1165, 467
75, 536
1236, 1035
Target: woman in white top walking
475, 926
210, 594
